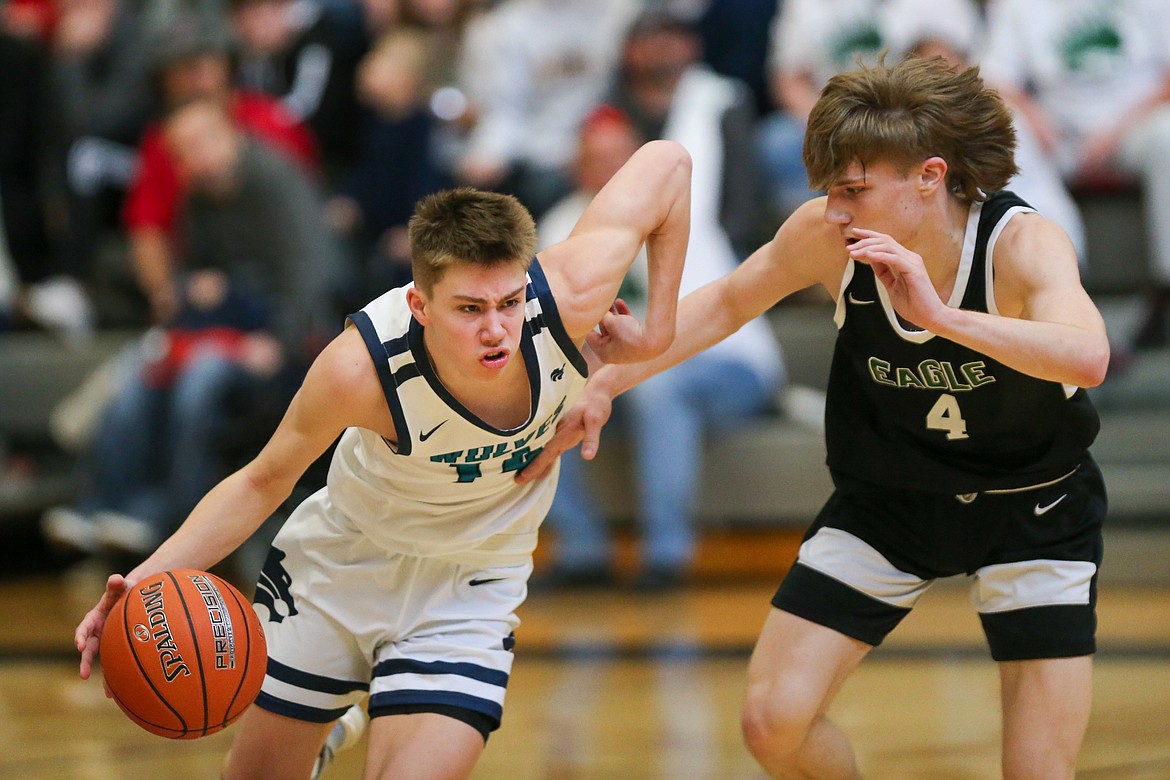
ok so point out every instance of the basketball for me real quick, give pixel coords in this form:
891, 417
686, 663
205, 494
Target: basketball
183, 654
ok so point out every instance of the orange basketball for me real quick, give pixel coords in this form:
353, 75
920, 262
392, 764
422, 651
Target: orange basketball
183, 654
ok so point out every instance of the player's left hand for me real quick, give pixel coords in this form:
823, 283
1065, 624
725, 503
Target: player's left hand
902, 273
87, 636
620, 338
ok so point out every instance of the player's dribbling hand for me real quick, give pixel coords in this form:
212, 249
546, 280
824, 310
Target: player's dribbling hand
582, 424
620, 338
89, 631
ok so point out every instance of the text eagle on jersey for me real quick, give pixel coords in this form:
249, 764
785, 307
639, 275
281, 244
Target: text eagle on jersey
931, 375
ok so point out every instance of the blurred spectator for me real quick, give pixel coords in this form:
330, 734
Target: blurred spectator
378, 16
665, 90
533, 70
954, 30
1093, 80
30, 20
811, 41
667, 416
36, 291
103, 99
735, 43
397, 163
295, 51
254, 302
192, 58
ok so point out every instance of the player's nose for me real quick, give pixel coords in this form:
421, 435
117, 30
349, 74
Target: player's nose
492, 329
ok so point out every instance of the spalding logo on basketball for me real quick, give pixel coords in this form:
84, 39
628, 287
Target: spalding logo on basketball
183, 654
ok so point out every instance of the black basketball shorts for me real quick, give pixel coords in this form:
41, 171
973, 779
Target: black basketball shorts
1032, 554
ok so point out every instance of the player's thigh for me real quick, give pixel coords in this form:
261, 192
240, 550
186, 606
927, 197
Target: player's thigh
267, 745
797, 667
422, 746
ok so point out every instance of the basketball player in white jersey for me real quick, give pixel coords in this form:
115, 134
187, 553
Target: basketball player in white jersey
957, 424
400, 579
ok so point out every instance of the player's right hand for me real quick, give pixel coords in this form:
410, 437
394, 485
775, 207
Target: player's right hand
88, 635
621, 338
582, 423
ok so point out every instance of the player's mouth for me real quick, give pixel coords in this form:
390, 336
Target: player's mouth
495, 359
851, 240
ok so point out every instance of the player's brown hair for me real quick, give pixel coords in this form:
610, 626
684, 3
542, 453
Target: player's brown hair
908, 112
467, 225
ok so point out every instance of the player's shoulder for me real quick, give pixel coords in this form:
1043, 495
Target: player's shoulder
345, 363
1027, 236
810, 215
343, 384
807, 233
1032, 254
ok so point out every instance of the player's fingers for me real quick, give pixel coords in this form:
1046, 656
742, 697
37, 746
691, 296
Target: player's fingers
593, 421
89, 626
534, 469
538, 467
620, 307
86, 637
590, 444
88, 655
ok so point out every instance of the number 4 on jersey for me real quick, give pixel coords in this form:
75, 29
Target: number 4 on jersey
945, 416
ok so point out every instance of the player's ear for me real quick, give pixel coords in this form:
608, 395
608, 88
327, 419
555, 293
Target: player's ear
418, 305
932, 174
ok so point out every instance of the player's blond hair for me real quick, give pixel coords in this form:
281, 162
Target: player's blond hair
906, 113
468, 226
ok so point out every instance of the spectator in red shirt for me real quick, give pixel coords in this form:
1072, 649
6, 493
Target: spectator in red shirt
193, 59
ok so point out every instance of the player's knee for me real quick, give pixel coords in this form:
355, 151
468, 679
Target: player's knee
774, 725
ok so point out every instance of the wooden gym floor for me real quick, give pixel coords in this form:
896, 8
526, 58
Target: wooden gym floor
614, 685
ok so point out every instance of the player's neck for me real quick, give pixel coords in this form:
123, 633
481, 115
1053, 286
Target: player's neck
504, 402
941, 244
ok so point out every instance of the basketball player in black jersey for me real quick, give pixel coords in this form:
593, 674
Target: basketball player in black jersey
957, 424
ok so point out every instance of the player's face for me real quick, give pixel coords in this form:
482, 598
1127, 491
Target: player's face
474, 317
878, 196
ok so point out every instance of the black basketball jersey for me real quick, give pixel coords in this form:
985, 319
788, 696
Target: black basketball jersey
909, 409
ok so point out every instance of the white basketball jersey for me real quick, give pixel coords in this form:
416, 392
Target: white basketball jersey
447, 487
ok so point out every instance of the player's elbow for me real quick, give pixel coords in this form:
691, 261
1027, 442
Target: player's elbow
1087, 364
1094, 365
671, 156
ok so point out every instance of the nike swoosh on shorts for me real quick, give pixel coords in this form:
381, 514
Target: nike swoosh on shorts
1039, 510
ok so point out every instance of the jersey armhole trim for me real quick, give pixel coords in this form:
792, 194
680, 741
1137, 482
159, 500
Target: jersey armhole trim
552, 318
377, 351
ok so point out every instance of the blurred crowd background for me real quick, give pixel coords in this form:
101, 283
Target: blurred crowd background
226, 179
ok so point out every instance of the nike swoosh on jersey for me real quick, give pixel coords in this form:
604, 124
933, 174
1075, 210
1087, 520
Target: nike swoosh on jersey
485, 581
1039, 510
427, 435
859, 303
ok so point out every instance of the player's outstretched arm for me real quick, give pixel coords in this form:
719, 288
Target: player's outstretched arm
340, 390
800, 255
648, 201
